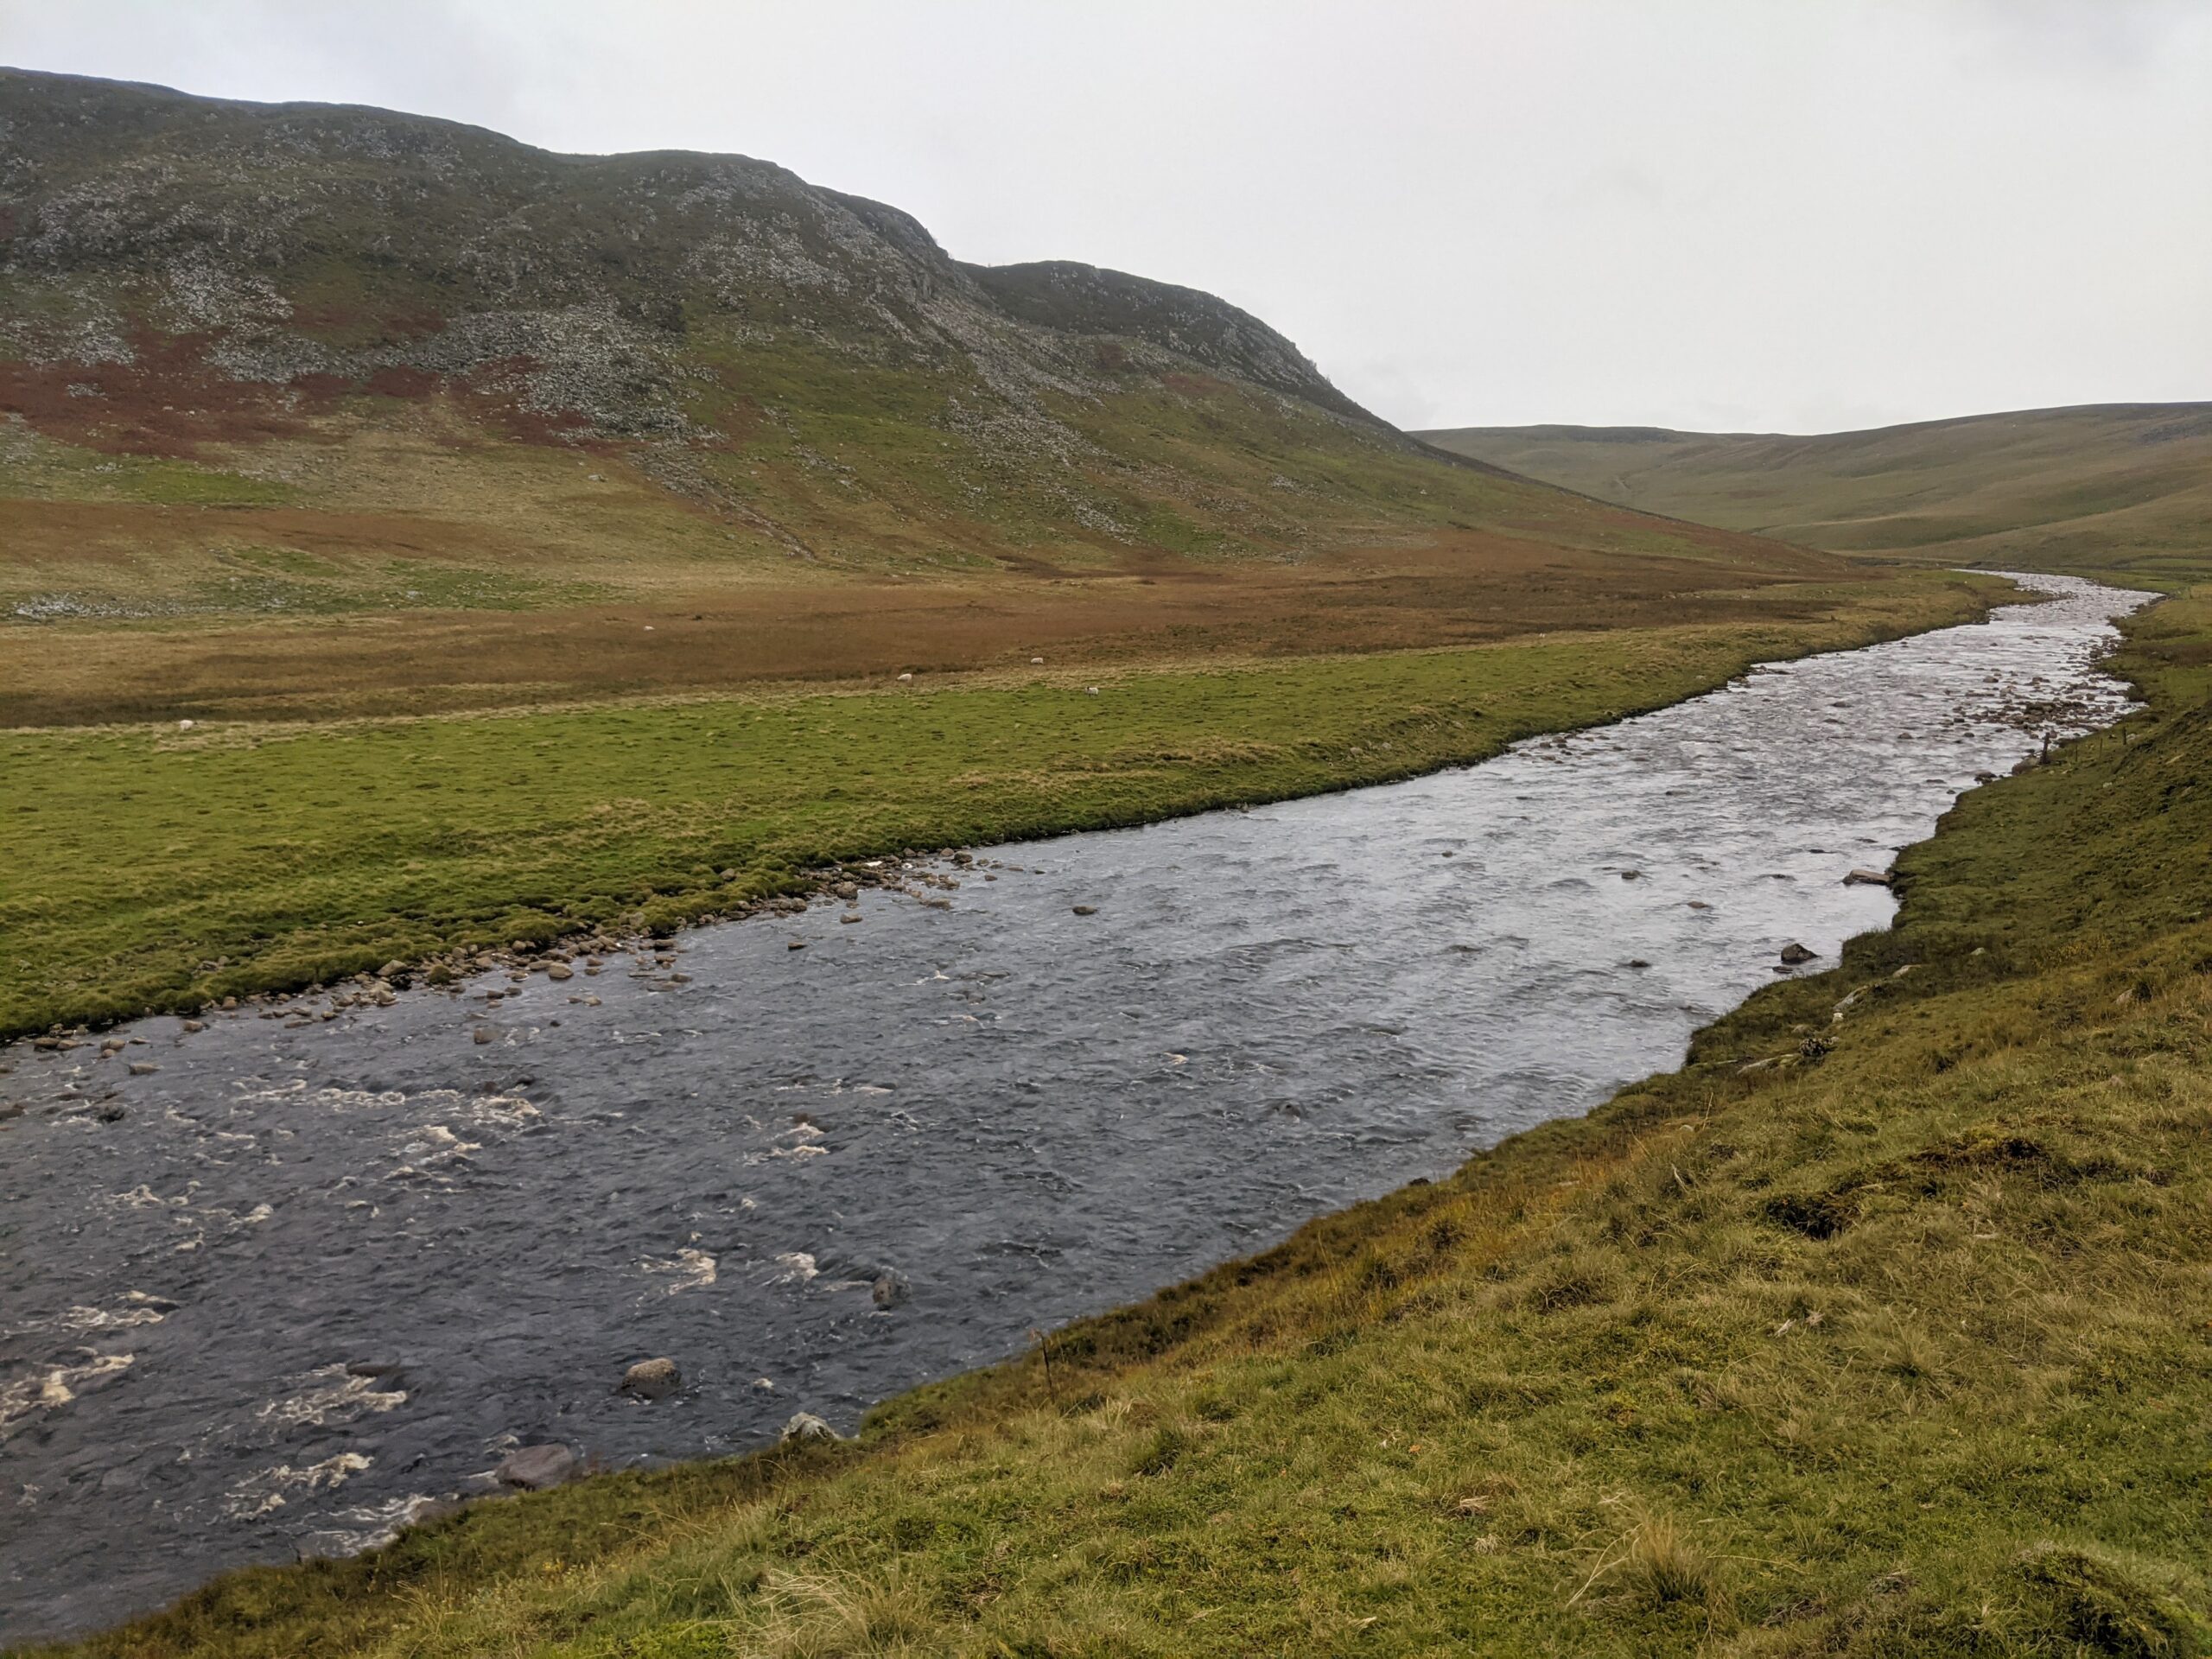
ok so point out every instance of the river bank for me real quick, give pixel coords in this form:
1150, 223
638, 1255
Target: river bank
1542, 761
168, 870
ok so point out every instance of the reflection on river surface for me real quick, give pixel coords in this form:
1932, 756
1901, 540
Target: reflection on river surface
270, 1282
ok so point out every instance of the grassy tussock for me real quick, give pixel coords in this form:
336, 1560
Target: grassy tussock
1601, 1392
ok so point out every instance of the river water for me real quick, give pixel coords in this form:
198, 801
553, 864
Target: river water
269, 1283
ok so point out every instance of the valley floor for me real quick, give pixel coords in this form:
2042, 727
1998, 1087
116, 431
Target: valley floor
164, 868
1884, 1326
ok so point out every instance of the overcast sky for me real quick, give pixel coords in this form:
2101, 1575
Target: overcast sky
1796, 215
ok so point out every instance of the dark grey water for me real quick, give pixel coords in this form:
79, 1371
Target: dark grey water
1029, 1114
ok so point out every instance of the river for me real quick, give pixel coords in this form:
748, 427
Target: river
271, 1283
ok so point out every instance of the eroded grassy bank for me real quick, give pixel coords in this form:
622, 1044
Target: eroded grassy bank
1884, 1326
157, 868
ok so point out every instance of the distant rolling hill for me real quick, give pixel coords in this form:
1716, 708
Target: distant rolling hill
2124, 489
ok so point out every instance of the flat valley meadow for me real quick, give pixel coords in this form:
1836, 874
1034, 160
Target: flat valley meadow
719, 936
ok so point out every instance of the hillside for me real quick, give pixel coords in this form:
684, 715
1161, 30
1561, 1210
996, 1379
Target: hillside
2119, 489
308, 410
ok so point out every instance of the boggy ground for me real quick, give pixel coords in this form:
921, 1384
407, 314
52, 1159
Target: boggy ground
1459, 587
1884, 1326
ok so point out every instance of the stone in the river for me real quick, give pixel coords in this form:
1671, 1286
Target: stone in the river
1793, 953
1867, 879
805, 1426
392, 969
850, 916
143, 1068
1631, 875
890, 1288
649, 1379
534, 1468
796, 944
192, 1026
484, 1035
1698, 903
559, 971
1086, 909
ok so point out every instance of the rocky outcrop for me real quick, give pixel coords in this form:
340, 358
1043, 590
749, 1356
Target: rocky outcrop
206, 243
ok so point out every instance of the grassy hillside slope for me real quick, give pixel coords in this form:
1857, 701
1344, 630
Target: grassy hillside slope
1883, 1327
2120, 489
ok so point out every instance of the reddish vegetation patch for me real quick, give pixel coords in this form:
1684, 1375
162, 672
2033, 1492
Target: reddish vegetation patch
170, 401
167, 401
1465, 589
563, 427
399, 382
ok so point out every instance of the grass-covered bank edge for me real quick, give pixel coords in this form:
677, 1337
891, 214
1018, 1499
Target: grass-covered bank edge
1882, 1326
162, 870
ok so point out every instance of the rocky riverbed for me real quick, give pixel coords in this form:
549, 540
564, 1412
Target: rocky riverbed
283, 1277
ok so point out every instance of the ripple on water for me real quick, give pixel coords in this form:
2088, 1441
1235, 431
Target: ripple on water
342, 1265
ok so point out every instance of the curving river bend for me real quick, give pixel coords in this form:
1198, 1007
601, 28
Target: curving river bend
270, 1283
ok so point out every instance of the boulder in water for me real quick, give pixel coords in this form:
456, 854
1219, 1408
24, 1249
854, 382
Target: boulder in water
1794, 953
649, 1379
535, 1468
1863, 878
890, 1288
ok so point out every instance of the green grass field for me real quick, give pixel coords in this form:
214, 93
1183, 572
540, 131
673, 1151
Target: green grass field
1881, 1328
160, 868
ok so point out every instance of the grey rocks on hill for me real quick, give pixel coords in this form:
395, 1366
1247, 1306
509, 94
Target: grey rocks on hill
293, 245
